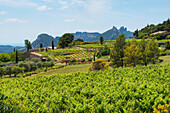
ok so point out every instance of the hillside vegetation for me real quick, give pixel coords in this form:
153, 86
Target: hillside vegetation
117, 90
149, 29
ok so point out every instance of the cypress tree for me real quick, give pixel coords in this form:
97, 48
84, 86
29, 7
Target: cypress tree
52, 45
16, 61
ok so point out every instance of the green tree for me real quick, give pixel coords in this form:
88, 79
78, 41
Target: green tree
16, 61
117, 53
94, 56
41, 47
101, 40
13, 56
2, 71
142, 45
28, 44
4, 57
66, 39
152, 51
167, 44
132, 54
52, 45
80, 40
135, 33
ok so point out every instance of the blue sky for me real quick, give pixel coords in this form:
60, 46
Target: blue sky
26, 19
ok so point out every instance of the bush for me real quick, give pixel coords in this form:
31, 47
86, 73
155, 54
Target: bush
33, 66
16, 70
98, 65
26, 65
39, 64
162, 54
35, 60
167, 52
2, 71
4, 57
90, 59
82, 60
8, 70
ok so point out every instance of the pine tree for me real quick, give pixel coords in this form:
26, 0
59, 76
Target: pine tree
132, 54
101, 40
152, 51
117, 53
142, 46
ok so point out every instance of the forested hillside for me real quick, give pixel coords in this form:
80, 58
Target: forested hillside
149, 29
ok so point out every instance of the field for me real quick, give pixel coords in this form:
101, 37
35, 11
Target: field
60, 54
117, 90
94, 46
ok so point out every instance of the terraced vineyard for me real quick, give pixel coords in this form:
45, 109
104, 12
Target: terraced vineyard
144, 89
94, 46
77, 55
60, 54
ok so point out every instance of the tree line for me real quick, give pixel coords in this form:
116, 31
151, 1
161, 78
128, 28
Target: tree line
133, 53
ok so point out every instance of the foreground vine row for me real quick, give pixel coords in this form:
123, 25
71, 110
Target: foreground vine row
144, 89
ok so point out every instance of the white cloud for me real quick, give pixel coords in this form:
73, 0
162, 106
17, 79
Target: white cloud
64, 4
97, 6
77, 2
70, 20
47, 0
2, 12
43, 8
17, 3
14, 20
1, 23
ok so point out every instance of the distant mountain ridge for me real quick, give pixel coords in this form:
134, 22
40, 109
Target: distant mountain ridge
46, 41
9, 48
110, 34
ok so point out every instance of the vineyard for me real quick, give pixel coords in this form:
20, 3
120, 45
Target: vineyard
94, 46
144, 89
61, 54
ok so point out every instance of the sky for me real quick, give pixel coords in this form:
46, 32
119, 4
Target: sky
26, 19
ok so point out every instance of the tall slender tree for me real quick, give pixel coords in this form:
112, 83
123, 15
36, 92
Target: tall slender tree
101, 40
142, 45
16, 61
117, 53
52, 45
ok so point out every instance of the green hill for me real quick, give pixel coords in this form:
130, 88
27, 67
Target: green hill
116, 90
149, 29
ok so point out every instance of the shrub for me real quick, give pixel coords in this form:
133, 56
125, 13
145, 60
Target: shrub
4, 57
16, 70
98, 65
39, 64
167, 52
73, 60
26, 65
162, 54
2, 71
33, 66
82, 60
8, 70
35, 60
90, 59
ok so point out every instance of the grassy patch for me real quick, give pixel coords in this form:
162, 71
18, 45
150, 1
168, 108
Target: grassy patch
166, 59
69, 69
